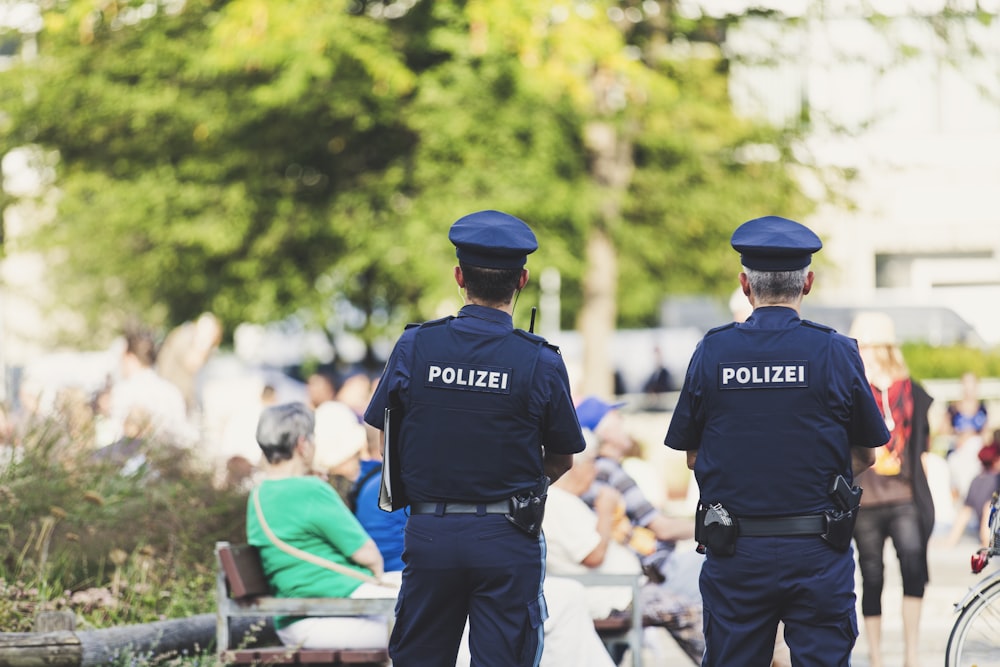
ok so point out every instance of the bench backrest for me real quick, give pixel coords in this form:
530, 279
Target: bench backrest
243, 570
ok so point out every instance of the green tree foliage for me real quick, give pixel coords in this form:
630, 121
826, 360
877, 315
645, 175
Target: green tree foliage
261, 158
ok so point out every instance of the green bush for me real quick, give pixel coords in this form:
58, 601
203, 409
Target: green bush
112, 547
934, 362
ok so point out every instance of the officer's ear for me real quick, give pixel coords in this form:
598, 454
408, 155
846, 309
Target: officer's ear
808, 284
459, 278
523, 280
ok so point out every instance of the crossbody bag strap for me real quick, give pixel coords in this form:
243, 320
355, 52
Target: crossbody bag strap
305, 555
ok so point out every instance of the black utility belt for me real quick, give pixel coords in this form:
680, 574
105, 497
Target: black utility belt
784, 526
499, 507
717, 530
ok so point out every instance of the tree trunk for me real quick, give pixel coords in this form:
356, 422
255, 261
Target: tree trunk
611, 169
597, 316
91, 648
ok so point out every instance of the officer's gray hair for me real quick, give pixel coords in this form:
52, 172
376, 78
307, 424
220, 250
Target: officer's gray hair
776, 286
280, 427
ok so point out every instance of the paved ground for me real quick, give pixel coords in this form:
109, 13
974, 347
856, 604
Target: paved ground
951, 577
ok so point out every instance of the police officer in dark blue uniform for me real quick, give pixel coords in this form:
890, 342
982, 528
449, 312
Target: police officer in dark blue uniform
776, 418
487, 423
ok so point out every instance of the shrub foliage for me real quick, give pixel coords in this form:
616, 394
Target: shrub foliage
115, 544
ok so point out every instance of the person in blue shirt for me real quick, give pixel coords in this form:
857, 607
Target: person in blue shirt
775, 413
386, 528
486, 423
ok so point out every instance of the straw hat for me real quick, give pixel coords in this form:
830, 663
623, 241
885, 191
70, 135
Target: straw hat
338, 436
871, 328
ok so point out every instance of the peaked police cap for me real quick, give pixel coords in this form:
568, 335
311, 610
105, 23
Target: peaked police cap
492, 239
775, 244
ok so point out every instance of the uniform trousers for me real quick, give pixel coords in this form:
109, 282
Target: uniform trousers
460, 567
802, 581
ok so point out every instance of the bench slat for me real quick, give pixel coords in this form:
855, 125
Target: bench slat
271, 606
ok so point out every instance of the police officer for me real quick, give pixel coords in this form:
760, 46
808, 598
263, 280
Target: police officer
776, 418
487, 422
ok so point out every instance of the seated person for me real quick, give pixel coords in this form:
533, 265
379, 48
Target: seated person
605, 422
309, 542
981, 489
340, 439
580, 539
386, 528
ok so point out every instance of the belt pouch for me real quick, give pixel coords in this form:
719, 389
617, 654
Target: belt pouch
528, 509
716, 529
840, 529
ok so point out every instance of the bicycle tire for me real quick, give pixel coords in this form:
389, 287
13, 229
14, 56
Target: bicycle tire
975, 637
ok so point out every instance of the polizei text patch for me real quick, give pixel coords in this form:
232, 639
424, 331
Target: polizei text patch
468, 377
763, 374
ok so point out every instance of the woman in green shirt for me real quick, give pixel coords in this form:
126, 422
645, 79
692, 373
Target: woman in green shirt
310, 543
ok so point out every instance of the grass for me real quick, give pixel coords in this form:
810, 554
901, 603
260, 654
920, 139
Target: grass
111, 545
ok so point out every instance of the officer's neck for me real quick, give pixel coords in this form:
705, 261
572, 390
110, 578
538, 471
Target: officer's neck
794, 304
505, 307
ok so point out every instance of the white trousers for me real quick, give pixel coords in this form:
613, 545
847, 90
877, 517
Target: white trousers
570, 638
348, 632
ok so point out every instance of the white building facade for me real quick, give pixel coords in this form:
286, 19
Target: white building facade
922, 121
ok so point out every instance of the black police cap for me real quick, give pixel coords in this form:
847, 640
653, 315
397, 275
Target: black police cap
772, 243
492, 239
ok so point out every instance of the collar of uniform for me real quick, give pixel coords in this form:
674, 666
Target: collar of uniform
487, 313
772, 317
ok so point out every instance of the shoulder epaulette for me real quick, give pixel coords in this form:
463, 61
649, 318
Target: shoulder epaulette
430, 323
723, 327
535, 338
817, 325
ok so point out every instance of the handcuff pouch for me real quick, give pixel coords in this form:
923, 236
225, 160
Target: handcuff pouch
715, 529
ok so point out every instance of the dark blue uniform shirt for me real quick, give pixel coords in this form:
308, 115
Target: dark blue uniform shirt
773, 406
480, 402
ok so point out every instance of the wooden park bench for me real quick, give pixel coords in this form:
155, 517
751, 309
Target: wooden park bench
243, 590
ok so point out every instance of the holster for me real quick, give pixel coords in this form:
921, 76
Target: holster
528, 509
840, 522
840, 528
715, 529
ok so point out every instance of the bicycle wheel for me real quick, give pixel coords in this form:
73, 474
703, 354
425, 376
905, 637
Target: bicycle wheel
975, 637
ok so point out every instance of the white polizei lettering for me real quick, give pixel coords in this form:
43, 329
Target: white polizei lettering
433, 372
494, 380
755, 375
778, 376
802, 373
481, 378
790, 374
448, 375
503, 378
727, 375
742, 375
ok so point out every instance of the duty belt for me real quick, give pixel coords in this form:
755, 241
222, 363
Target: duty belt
499, 507
784, 526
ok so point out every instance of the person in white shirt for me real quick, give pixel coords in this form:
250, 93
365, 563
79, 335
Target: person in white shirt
580, 539
141, 387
